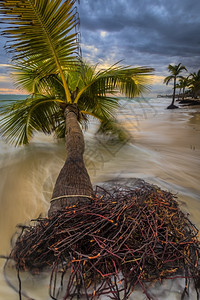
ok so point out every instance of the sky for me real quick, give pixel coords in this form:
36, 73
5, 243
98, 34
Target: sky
153, 33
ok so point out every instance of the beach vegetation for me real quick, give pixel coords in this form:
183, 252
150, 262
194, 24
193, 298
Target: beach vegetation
175, 71
194, 84
184, 83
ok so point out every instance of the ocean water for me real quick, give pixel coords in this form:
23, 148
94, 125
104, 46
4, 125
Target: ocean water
9, 97
164, 150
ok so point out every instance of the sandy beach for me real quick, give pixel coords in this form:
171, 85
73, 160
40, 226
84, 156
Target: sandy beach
164, 150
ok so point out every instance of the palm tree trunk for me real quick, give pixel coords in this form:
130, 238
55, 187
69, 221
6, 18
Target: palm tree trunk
73, 184
179, 94
183, 97
174, 93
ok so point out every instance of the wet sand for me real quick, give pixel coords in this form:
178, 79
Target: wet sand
165, 150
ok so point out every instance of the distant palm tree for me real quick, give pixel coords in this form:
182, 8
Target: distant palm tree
178, 86
194, 80
175, 71
63, 88
183, 84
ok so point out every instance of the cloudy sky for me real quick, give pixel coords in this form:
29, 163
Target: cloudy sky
151, 33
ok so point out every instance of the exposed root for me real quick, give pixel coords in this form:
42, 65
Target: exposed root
123, 238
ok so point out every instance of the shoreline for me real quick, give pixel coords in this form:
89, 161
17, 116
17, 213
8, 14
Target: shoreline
189, 102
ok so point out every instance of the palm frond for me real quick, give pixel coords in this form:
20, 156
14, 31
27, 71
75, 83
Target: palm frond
168, 79
113, 130
101, 106
171, 68
130, 82
35, 81
182, 68
176, 69
20, 120
99, 92
42, 32
28, 77
110, 127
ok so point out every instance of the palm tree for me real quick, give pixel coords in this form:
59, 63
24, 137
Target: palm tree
194, 81
183, 84
63, 88
175, 71
178, 86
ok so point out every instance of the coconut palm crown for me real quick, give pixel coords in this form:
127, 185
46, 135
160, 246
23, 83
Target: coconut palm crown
93, 92
183, 84
194, 83
175, 71
43, 41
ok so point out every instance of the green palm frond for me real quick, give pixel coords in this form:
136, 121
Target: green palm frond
20, 120
35, 81
95, 91
168, 79
180, 77
103, 107
113, 129
194, 82
182, 68
28, 77
99, 92
42, 33
129, 81
176, 69
184, 82
110, 127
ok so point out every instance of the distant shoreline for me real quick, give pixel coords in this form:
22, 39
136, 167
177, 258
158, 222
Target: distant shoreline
188, 101
164, 96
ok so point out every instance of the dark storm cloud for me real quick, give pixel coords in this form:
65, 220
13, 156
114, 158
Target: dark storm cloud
139, 32
144, 32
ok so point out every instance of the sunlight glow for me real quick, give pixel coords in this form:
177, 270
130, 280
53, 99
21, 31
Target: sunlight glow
103, 34
158, 79
4, 65
12, 91
4, 78
90, 48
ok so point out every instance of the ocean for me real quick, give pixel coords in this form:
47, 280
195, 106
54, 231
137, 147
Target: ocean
164, 150
9, 97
